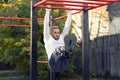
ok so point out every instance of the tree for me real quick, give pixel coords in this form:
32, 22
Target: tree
14, 41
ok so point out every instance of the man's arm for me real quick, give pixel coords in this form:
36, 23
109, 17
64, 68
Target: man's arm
67, 24
46, 32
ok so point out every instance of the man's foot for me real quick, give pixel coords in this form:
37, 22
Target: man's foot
70, 42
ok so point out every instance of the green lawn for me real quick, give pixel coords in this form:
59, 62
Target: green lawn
12, 79
12, 75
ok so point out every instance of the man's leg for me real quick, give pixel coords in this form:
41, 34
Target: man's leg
60, 65
73, 41
60, 58
70, 43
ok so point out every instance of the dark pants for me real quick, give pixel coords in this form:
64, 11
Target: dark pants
58, 62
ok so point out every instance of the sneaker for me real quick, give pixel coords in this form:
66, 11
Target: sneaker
70, 42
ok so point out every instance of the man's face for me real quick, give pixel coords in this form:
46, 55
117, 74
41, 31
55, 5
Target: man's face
55, 33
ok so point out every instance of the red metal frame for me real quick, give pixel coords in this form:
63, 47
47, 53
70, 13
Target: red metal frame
10, 18
63, 5
73, 5
15, 25
54, 19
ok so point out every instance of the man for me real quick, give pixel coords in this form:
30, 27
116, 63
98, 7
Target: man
57, 47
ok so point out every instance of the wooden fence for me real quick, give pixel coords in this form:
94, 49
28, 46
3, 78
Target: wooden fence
107, 56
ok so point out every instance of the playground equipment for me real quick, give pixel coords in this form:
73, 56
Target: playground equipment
66, 5
17, 19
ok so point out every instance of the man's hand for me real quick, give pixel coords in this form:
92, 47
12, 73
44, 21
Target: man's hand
69, 11
48, 6
48, 10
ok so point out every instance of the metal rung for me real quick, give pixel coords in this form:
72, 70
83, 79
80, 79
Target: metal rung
42, 62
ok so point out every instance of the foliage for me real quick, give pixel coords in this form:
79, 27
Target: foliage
15, 47
15, 42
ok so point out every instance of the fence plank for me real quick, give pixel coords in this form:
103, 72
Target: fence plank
98, 62
112, 61
118, 60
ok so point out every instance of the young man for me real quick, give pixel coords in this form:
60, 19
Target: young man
58, 45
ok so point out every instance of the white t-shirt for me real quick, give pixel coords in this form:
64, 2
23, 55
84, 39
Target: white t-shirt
50, 43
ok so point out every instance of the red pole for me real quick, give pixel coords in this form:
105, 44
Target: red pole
15, 25
82, 2
58, 18
61, 8
15, 18
109, 0
67, 4
41, 2
10, 18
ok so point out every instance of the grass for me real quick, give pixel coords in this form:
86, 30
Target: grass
8, 73
12, 75
13, 79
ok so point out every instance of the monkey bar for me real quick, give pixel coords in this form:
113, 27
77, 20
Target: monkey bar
63, 5
27, 19
11, 18
73, 4
16, 18
15, 25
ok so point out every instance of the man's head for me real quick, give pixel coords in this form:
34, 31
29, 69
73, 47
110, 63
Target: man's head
55, 32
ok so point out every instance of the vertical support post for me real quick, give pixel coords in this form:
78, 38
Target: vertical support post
33, 43
85, 46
